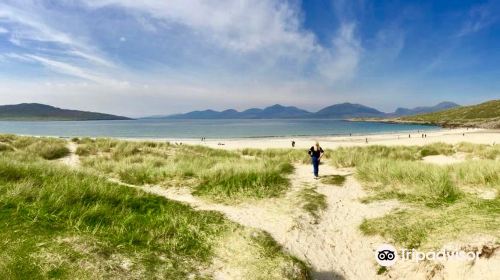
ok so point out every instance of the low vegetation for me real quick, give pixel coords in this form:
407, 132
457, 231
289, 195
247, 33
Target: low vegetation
44, 147
336, 180
443, 202
312, 202
486, 115
225, 176
65, 224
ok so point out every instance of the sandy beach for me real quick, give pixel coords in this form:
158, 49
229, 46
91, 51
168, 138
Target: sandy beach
451, 136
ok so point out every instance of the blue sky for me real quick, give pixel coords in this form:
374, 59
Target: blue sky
158, 57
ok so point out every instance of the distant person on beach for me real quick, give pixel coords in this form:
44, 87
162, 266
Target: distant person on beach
316, 153
293, 144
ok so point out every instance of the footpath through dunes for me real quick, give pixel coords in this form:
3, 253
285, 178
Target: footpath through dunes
333, 246
327, 237
330, 243
72, 159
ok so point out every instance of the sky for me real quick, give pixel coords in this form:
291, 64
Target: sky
150, 57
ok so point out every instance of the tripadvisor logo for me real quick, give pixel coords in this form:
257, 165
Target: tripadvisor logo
386, 255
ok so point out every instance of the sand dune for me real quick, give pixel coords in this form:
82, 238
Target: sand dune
333, 245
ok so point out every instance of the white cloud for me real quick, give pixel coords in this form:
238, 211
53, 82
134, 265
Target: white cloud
72, 70
245, 26
342, 61
264, 40
479, 17
28, 27
271, 28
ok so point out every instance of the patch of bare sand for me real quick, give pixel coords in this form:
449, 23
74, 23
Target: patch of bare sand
486, 267
482, 192
334, 247
443, 159
72, 160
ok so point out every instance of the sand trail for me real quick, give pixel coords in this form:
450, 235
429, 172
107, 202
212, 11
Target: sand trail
72, 160
333, 247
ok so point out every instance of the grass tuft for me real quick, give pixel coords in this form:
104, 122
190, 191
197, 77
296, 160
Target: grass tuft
336, 180
219, 175
441, 205
312, 202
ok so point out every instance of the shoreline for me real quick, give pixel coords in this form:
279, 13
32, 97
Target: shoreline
450, 136
398, 138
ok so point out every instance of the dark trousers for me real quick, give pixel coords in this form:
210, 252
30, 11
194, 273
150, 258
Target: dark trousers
315, 162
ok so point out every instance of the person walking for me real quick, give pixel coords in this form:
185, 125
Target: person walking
316, 153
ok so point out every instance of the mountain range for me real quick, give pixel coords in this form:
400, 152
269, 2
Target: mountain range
337, 111
41, 112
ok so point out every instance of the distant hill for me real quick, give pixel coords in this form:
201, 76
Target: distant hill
348, 110
272, 112
422, 110
337, 111
41, 112
485, 115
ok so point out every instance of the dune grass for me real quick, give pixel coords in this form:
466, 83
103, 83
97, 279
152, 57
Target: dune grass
336, 180
479, 150
41, 203
60, 223
312, 202
225, 176
440, 204
354, 156
44, 147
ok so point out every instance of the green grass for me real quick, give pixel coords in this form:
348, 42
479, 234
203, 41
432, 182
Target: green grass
440, 204
479, 150
46, 148
336, 180
409, 181
432, 227
485, 115
225, 176
354, 156
59, 223
5, 147
40, 203
312, 202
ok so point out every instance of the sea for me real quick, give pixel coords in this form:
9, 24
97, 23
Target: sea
210, 129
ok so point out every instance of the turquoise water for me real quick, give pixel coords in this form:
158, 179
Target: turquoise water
204, 128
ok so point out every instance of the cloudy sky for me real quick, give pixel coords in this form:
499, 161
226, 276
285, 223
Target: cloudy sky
149, 57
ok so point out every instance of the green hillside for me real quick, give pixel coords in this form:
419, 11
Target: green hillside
485, 115
41, 112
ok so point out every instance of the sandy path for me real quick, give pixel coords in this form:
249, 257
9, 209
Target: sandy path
72, 160
333, 247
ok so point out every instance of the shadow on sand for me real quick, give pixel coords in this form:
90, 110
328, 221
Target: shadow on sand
327, 275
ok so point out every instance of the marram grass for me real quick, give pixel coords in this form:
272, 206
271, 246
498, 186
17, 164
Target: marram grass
442, 203
225, 176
